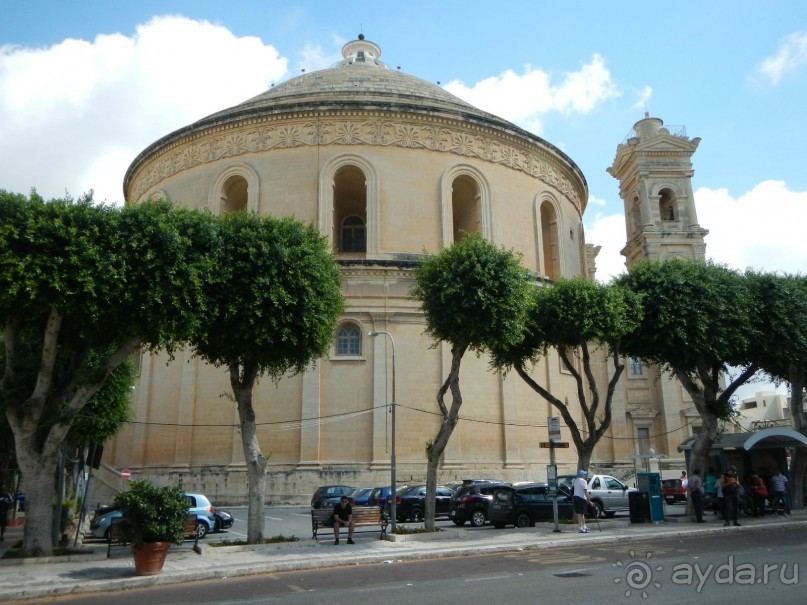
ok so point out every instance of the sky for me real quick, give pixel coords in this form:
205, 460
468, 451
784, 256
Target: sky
85, 85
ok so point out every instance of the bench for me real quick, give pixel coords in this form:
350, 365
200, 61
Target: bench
363, 516
190, 532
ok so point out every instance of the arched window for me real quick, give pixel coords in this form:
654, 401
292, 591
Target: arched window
637, 216
465, 210
668, 207
549, 237
350, 210
348, 340
234, 194
354, 235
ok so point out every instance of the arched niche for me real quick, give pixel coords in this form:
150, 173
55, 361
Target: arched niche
349, 190
466, 204
549, 230
235, 189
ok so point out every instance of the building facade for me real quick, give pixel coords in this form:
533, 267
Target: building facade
388, 167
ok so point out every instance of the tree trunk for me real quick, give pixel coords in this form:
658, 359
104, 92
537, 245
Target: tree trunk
38, 469
255, 461
798, 463
435, 450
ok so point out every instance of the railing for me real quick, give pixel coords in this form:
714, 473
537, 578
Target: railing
675, 131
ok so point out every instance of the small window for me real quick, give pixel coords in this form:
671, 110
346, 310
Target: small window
595, 484
348, 341
635, 367
612, 483
354, 238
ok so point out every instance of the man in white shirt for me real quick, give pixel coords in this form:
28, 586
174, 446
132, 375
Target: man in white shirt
581, 499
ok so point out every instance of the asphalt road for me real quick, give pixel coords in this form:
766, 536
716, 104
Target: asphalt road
740, 569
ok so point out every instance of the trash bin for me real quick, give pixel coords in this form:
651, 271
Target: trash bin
639, 507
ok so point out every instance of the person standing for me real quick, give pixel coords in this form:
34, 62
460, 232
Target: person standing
779, 489
581, 500
730, 484
343, 517
696, 491
684, 482
6, 503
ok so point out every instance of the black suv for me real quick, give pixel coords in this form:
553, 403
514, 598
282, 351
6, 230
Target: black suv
523, 505
410, 503
470, 503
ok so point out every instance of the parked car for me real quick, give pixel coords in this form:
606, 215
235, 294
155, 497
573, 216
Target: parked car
523, 505
455, 485
329, 495
673, 491
607, 494
410, 503
223, 520
471, 501
380, 495
198, 505
360, 496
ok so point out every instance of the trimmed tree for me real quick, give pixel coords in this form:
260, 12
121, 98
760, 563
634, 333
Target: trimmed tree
697, 322
271, 310
576, 318
781, 316
474, 297
81, 287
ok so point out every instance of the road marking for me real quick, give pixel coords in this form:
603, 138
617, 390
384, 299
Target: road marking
488, 578
296, 588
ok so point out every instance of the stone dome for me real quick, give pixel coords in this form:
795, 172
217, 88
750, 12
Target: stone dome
359, 82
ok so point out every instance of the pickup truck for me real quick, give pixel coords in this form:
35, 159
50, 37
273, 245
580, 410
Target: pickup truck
608, 495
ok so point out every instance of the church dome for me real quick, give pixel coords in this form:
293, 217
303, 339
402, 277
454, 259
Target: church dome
359, 82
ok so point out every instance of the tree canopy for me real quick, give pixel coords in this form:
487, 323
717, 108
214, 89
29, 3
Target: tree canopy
573, 317
270, 310
81, 287
474, 296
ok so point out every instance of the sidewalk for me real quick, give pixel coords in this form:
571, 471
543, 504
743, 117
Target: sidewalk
29, 578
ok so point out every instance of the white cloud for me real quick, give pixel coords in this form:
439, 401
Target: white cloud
644, 97
791, 55
747, 231
524, 98
314, 57
74, 115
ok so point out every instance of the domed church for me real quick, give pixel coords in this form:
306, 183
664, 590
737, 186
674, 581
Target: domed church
389, 167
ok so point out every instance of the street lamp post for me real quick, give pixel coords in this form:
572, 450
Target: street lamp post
393, 482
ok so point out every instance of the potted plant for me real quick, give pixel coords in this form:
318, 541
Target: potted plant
152, 518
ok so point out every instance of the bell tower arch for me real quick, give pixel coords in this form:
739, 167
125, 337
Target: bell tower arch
654, 169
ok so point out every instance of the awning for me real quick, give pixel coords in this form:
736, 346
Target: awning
762, 439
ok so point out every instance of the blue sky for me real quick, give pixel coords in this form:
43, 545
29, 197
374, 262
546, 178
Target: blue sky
86, 85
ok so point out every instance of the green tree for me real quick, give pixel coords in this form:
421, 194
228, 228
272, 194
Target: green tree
781, 318
576, 318
473, 296
81, 287
271, 310
697, 322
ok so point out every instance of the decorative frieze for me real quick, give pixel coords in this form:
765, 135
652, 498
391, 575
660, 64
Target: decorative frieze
250, 137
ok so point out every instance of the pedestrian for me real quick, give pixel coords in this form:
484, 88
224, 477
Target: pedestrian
683, 480
581, 500
730, 484
696, 491
343, 517
710, 487
779, 489
759, 493
6, 503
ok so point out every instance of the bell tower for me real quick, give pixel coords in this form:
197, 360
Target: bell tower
654, 169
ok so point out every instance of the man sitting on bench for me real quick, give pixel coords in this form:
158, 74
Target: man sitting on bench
343, 516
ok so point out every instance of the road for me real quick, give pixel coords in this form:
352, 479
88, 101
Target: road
740, 569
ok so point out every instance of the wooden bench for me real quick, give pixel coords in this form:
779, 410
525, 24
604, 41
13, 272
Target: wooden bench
189, 532
363, 516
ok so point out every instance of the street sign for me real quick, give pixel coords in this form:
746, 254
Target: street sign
554, 444
553, 422
126, 474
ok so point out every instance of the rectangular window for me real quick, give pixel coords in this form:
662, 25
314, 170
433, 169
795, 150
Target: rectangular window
635, 367
643, 440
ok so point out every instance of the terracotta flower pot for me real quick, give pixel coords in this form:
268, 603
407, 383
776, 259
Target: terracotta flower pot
150, 557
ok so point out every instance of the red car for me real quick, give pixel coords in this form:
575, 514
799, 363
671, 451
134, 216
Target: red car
673, 491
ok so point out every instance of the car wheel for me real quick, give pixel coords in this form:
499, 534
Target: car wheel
416, 515
523, 520
596, 509
201, 530
670, 500
217, 526
107, 532
459, 522
499, 525
610, 514
478, 518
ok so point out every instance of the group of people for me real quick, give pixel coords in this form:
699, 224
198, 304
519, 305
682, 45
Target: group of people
731, 495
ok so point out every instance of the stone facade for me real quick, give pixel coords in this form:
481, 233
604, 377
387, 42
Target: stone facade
388, 167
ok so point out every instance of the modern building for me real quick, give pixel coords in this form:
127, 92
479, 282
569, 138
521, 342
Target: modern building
390, 167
